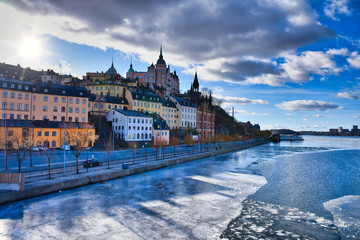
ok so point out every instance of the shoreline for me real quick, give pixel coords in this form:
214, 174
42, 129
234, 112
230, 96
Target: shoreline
79, 180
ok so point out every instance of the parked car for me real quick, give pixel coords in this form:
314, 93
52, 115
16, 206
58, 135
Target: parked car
42, 148
92, 163
34, 149
65, 147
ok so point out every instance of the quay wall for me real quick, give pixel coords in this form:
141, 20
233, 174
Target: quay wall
75, 181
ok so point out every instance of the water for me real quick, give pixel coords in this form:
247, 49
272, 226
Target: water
226, 196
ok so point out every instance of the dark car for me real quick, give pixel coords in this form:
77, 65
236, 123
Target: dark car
92, 163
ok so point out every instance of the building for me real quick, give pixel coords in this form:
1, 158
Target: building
111, 73
187, 112
159, 75
48, 133
161, 131
24, 100
169, 113
205, 114
101, 105
144, 101
129, 125
107, 88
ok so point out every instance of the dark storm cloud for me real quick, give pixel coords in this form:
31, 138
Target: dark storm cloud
197, 30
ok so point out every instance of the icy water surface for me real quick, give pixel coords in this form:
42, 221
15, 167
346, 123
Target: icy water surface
205, 199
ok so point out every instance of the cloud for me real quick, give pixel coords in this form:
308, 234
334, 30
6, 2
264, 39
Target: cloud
184, 28
245, 113
307, 105
333, 7
239, 100
290, 114
354, 60
340, 52
347, 95
218, 89
300, 68
356, 116
317, 115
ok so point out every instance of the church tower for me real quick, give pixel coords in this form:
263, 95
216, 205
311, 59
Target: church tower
196, 83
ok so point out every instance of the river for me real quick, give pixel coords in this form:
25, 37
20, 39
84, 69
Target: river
300, 190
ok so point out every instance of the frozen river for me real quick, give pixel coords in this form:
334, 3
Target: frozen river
242, 195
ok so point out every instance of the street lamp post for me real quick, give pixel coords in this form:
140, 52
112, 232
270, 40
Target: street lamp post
6, 163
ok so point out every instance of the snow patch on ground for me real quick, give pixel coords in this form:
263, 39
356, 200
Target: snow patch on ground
346, 212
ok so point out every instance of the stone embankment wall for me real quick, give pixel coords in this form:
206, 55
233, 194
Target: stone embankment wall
66, 183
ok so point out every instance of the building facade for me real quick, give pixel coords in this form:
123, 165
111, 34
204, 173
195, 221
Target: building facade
39, 101
187, 112
129, 125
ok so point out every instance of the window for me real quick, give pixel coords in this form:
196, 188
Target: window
33, 107
12, 105
45, 108
83, 119
27, 96
34, 97
12, 85
77, 120
44, 117
11, 116
26, 117
70, 100
53, 144
4, 105
19, 106
45, 98
77, 101
26, 88
70, 109
84, 101
39, 133
53, 134
12, 95
5, 94
84, 110
77, 110
63, 99
19, 117
129, 120
46, 133
62, 109
4, 84
55, 99
19, 95
55, 108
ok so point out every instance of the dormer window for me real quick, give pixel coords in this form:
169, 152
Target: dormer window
26, 87
4, 84
34, 89
12, 85
81, 93
19, 86
45, 90
63, 91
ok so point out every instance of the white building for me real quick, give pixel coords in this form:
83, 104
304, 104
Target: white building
129, 125
161, 131
186, 112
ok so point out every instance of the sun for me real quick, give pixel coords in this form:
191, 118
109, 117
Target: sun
30, 47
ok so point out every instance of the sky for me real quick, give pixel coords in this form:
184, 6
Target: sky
279, 63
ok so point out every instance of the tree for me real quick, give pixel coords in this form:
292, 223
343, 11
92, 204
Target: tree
174, 141
79, 139
21, 146
109, 147
49, 154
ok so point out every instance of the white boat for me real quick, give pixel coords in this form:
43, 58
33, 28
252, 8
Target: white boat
286, 137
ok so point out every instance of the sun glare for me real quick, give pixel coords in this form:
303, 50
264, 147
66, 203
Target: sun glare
30, 47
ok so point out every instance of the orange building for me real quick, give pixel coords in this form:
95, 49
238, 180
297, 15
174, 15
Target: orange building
48, 133
40, 101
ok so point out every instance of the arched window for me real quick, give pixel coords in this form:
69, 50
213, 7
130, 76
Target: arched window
146, 136
142, 136
53, 143
138, 136
47, 144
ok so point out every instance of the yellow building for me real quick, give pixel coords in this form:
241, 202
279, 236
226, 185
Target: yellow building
48, 133
107, 88
39, 101
144, 101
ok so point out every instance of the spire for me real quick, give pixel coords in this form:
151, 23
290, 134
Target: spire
161, 60
112, 62
210, 99
161, 56
196, 82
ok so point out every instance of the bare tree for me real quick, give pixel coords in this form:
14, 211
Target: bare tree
49, 154
109, 147
79, 140
174, 141
21, 146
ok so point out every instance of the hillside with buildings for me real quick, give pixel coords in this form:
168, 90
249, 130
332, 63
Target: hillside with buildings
145, 106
